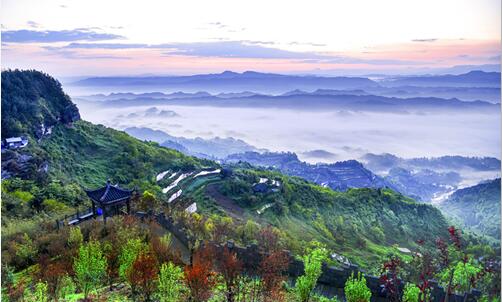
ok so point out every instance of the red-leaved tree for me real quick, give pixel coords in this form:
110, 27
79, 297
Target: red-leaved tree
143, 275
272, 272
230, 268
199, 276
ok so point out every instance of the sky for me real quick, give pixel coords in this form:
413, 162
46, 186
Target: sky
101, 38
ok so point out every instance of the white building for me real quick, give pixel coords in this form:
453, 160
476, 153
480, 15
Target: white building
16, 142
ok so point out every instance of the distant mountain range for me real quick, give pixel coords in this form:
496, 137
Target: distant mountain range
470, 86
214, 148
476, 207
229, 81
339, 176
318, 100
489, 94
431, 179
385, 162
474, 78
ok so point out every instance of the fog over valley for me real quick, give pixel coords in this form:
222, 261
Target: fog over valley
344, 134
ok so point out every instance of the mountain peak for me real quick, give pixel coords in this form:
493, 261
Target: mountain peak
228, 73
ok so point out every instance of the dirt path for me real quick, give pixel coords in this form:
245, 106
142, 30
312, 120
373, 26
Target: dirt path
228, 204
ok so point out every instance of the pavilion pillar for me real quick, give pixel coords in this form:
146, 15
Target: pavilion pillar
93, 209
104, 213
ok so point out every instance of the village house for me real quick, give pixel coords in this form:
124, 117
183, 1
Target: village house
16, 142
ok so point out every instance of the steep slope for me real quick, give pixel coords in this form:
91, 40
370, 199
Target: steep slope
364, 225
476, 207
33, 102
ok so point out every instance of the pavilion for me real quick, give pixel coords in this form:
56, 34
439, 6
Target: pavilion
110, 199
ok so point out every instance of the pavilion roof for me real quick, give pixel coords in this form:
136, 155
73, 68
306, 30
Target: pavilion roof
109, 194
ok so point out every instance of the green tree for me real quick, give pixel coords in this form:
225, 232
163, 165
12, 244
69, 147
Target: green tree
356, 289
53, 205
411, 293
312, 262
171, 285
23, 196
90, 266
148, 201
128, 255
462, 276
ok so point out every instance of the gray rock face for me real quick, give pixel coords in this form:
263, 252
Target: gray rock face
24, 165
15, 164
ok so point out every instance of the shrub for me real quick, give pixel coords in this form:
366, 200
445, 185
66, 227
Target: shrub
463, 276
147, 202
356, 289
39, 294
320, 298
171, 285
23, 195
90, 266
271, 272
53, 205
199, 277
312, 262
75, 238
26, 250
67, 287
411, 293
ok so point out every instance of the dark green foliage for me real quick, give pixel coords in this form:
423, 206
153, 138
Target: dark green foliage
29, 99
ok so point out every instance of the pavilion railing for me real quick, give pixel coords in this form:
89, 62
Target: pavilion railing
76, 218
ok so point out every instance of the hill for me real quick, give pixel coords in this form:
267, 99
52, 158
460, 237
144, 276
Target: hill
476, 207
73, 150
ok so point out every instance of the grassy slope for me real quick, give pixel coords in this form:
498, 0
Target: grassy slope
89, 155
